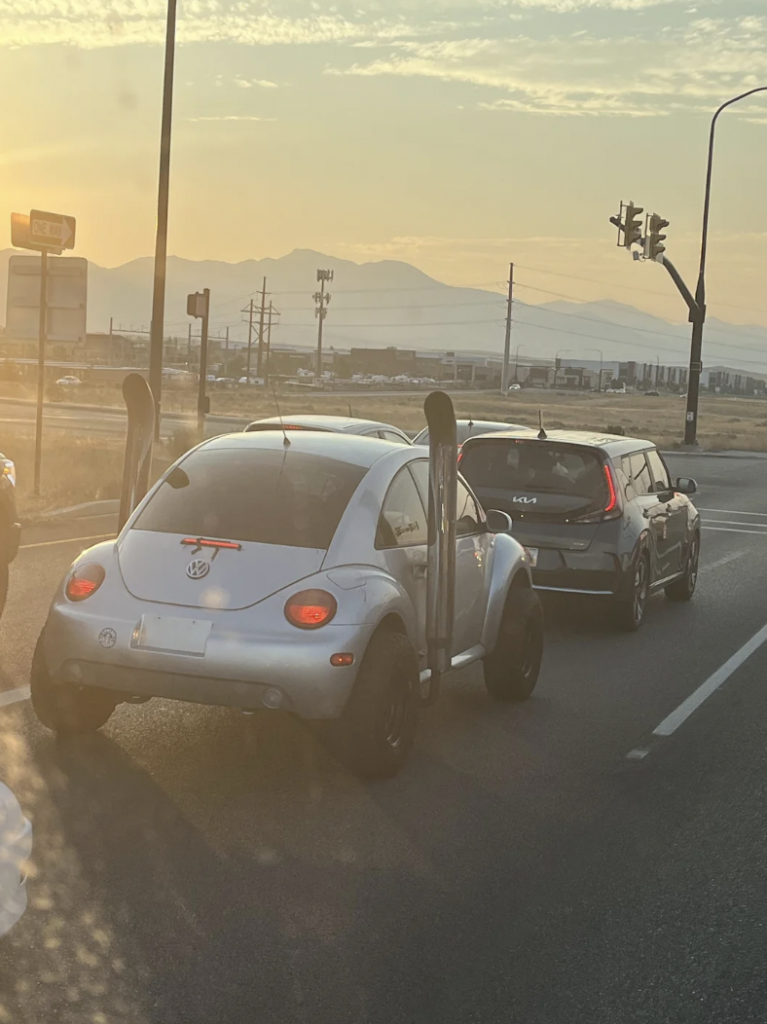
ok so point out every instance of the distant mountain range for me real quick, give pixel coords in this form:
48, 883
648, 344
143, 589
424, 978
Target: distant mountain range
394, 303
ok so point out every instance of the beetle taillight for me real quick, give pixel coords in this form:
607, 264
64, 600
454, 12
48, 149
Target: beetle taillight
84, 581
310, 609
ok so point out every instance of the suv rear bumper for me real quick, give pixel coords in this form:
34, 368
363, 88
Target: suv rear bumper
578, 572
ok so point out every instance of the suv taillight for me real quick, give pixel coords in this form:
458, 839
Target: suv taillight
84, 581
613, 508
310, 609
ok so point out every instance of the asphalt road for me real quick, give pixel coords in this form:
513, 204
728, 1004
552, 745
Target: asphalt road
551, 863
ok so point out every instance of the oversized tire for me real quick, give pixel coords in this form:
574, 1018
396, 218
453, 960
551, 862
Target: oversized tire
629, 611
64, 707
684, 588
375, 734
3, 583
511, 671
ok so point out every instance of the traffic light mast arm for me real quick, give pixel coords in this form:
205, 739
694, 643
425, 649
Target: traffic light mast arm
695, 311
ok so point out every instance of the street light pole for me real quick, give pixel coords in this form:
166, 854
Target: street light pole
161, 244
698, 317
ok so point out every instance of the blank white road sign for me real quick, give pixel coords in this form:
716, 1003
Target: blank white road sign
67, 298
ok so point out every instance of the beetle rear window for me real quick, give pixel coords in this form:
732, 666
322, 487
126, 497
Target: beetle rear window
269, 497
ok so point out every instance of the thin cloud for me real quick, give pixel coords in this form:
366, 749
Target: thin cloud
250, 83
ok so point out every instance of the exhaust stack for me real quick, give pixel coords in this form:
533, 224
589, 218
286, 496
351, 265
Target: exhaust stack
138, 444
440, 574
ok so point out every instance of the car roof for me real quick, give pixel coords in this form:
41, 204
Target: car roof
611, 444
352, 448
345, 424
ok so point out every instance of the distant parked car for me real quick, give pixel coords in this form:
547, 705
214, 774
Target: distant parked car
251, 381
652, 394
10, 530
69, 382
334, 424
15, 848
515, 387
470, 428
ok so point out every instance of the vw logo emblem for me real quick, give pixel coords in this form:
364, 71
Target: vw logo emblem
197, 569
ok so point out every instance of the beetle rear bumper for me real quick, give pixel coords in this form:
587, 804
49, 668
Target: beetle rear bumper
239, 668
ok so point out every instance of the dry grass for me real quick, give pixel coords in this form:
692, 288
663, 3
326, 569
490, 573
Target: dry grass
79, 470
73, 470
725, 423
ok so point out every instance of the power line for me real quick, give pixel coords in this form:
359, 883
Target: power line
614, 323
440, 323
629, 287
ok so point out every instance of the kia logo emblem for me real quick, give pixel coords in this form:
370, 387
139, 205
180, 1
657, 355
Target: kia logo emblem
522, 500
197, 569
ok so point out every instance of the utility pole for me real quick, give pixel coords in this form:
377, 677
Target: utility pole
249, 310
507, 341
268, 345
322, 298
189, 348
260, 356
161, 244
226, 354
657, 371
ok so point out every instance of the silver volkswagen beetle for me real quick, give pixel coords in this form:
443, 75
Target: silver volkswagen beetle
282, 571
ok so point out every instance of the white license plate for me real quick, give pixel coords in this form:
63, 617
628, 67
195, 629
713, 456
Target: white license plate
168, 633
532, 555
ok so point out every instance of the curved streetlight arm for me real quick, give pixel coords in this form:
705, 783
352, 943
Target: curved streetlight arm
700, 294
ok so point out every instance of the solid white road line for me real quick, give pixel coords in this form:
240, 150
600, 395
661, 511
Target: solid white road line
670, 724
735, 522
732, 512
66, 540
14, 696
730, 529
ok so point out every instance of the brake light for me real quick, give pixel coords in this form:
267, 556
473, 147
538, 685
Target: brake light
310, 609
612, 500
460, 455
84, 581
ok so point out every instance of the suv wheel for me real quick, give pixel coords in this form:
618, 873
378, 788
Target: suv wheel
375, 734
683, 588
511, 671
64, 707
630, 611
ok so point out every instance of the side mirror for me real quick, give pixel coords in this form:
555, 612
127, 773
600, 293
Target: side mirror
686, 485
498, 522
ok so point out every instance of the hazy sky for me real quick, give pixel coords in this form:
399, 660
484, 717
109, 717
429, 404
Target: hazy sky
455, 135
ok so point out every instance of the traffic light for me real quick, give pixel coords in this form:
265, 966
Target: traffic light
654, 247
632, 232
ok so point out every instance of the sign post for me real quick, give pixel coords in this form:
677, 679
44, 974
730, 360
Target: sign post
46, 233
198, 305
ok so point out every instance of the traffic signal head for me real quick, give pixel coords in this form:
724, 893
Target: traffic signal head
654, 247
632, 232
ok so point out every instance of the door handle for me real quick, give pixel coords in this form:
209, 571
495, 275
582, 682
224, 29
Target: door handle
419, 570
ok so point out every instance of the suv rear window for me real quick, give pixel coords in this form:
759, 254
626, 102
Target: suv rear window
534, 476
270, 497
